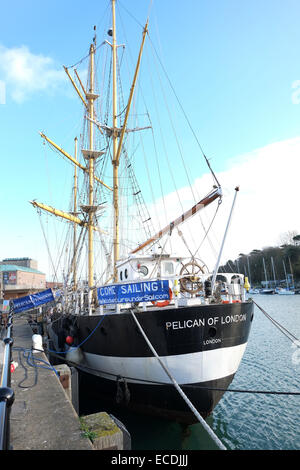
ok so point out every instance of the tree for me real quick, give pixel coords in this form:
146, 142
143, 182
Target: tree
287, 238
252, 264
296, 240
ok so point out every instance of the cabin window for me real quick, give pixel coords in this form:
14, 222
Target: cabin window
168, 268
126, 273
121, 275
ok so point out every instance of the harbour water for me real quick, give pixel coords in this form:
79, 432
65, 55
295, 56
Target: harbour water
242, 421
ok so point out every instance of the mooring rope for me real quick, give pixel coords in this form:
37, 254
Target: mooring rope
236, 390
283, 330
188, 402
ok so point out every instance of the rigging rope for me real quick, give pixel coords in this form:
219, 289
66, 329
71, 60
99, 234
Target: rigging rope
47, 245
85, 57
184, 113
165, 148
207, 231
130, 14
77, 253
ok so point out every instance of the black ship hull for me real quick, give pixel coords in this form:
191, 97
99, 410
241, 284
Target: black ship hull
201, 346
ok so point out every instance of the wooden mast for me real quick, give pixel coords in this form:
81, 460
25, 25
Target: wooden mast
116, 242
90, 156
91, 98
117, 135
75, 225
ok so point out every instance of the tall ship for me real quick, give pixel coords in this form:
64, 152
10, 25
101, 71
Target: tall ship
138, 308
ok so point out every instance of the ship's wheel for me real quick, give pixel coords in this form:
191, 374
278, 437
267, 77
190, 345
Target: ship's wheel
191, 280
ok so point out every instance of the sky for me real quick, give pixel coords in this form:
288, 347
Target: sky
235, 66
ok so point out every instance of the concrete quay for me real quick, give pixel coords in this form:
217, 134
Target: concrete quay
42, 417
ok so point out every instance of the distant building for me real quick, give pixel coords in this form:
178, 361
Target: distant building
54, 285
20, 276
25, 262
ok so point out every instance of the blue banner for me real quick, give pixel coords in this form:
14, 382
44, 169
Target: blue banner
145, 291
32, 301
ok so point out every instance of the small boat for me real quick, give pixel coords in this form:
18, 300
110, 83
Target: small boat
253, 291
289, 289
268, 291
282, 291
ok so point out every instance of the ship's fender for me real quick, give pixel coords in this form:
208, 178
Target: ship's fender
121, 395
75, 355
71, 335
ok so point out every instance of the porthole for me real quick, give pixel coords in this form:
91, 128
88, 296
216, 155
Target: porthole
126, 274
121, 275
212, 332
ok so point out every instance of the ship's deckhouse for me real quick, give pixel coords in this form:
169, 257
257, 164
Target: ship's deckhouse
155, 266
146, 267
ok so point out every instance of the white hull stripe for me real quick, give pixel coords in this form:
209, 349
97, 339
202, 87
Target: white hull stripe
185, 368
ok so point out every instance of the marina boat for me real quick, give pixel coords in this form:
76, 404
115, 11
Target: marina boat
289, 289
268, 291
253, 291
282, 291
146, 300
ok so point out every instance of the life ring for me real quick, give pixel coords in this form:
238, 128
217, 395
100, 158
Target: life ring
163, 303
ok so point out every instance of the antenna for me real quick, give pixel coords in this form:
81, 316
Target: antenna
94, 38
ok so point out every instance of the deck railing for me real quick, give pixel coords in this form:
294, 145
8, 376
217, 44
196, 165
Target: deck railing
6, 393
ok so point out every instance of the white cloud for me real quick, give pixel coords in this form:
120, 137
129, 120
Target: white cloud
267, 204
26, 73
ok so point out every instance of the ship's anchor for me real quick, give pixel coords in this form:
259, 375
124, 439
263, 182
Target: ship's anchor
191, 282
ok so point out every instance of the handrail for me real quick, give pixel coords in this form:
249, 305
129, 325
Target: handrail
6, 393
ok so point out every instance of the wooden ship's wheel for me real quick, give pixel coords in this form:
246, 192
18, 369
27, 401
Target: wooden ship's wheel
190, 280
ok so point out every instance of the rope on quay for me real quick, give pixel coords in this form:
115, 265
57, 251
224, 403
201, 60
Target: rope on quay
188, 402
31, 361
283, 330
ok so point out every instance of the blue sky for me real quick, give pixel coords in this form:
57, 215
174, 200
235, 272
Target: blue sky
234, 64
